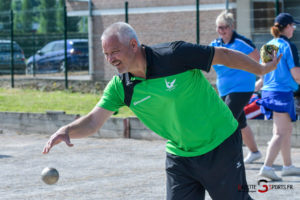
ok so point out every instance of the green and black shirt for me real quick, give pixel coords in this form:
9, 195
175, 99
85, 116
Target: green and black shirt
175, 100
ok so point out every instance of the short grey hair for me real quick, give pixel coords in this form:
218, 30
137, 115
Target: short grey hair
122, 30
225, 18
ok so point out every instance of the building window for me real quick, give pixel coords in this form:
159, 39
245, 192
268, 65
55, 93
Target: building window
264, 13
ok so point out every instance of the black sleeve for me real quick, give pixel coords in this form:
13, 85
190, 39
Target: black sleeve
295, 55
296, 61
193, 56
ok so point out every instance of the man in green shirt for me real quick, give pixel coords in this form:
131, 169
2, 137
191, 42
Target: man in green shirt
164, 86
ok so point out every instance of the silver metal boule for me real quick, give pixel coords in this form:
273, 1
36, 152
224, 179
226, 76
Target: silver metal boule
50, 175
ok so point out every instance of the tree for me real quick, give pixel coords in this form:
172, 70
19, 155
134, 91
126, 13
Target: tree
27, 16
72, 22
60, 16
48, 16
5, 7
83, 25
17, 7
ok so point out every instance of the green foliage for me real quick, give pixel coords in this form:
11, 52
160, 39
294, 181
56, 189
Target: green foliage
48, 16
5, 7
45, 15
83, 25
18, 100
60, 16
26, 16
73, 24
17, 7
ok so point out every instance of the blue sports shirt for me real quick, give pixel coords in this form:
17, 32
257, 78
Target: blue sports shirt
234, 80
281, 79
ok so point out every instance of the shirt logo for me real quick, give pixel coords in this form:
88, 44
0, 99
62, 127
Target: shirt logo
238, 164
170, 85
140, 101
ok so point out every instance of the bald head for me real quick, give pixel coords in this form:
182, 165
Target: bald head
123, 31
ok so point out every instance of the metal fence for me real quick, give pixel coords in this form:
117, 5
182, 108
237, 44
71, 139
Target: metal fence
46, 42
50, 41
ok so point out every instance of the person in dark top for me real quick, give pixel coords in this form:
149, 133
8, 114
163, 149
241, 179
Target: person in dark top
236, 86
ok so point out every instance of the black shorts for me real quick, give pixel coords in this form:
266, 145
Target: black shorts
236, 103
221, 172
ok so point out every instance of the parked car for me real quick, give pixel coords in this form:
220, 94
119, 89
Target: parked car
51, 58
5, 58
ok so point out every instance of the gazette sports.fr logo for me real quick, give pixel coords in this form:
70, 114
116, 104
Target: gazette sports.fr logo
263, 187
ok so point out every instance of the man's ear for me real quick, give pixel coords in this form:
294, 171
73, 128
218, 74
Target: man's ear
133, 44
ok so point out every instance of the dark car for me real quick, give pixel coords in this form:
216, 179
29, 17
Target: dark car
5, 58
51, 58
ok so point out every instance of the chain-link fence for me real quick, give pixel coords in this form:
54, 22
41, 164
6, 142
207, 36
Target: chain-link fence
58, 38
46, 41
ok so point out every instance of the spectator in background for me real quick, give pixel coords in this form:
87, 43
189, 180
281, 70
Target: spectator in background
236, 86
277, 97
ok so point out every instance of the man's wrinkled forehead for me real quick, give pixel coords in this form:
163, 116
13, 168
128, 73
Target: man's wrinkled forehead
110, 37
111, 42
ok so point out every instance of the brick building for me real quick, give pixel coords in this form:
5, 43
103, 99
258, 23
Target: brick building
161, 21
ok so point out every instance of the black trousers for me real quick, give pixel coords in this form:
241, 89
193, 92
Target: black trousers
221, 172
236, 103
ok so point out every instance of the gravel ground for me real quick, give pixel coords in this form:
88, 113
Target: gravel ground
108, 169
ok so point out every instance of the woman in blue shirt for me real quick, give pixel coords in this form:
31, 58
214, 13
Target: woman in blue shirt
236, 86
277, 97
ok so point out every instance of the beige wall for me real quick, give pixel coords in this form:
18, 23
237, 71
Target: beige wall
243, 15
105, 4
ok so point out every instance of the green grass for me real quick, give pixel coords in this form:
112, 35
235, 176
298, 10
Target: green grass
25, 100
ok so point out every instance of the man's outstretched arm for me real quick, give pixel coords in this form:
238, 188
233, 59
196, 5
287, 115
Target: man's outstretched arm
80, 128
237, 60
